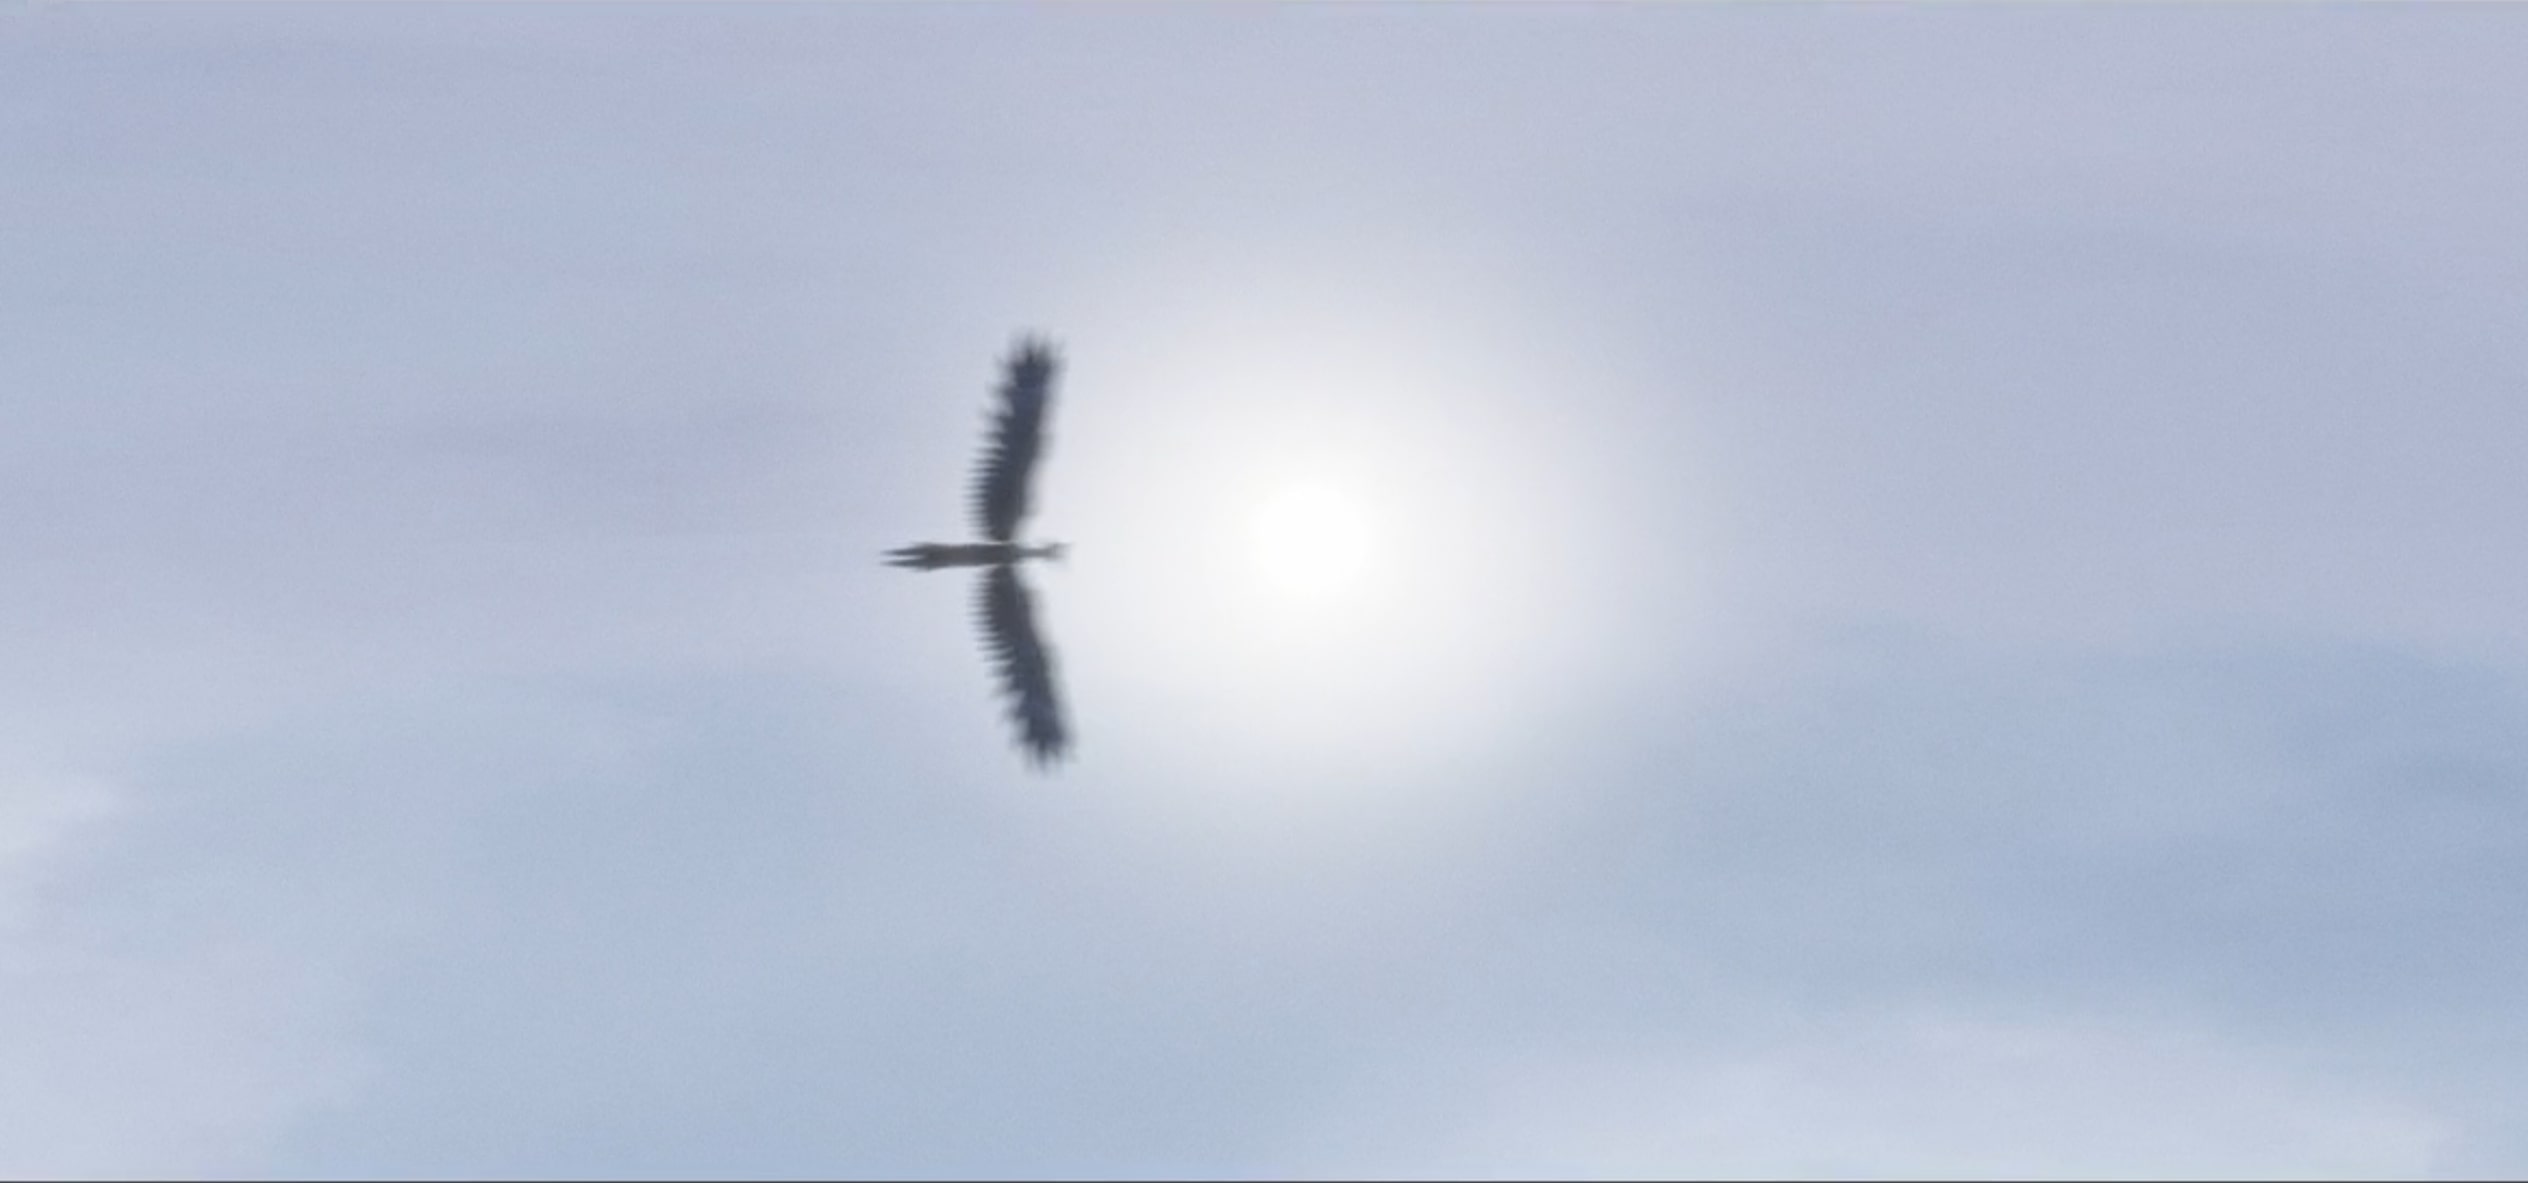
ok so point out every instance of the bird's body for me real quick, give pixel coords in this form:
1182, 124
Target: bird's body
931, 556
1000, 504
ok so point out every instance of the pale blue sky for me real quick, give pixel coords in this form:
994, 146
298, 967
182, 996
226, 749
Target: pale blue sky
1948, 595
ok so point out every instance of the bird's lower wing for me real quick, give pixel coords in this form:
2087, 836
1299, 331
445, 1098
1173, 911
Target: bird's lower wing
1024, 666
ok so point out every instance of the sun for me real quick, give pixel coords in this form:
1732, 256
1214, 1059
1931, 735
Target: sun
1311, 540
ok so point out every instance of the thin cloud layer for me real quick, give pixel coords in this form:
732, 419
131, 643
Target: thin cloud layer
450, 447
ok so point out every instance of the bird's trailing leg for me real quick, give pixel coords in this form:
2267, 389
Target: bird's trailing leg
925, 556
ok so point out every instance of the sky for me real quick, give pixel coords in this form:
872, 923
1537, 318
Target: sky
1935, 590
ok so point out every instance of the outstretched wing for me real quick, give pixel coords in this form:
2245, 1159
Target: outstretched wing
1017, 436
1023, 664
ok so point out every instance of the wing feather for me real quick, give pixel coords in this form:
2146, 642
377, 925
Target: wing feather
1023, 664
1016, 438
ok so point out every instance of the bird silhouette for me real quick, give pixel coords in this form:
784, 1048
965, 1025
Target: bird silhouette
999, 502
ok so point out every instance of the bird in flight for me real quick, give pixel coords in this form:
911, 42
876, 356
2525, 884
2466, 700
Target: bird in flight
999, 504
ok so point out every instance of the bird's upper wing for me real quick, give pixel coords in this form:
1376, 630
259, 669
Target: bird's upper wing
1024, 665
1017, 437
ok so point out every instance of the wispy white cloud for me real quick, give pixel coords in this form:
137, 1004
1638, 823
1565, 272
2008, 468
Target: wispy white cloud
1895, 1096
42, 820
188, 1059
1966, 914
133, 1041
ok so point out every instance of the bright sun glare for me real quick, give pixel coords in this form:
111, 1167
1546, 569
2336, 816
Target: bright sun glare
1311, 540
